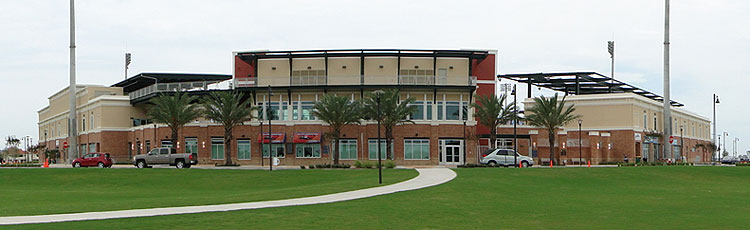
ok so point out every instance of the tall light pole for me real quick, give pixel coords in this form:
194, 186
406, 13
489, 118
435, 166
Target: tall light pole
681, 143
380, 165
725, 141
72, 125
667, 101
735, 145
269, 114
515, 133
715, 101
611, 49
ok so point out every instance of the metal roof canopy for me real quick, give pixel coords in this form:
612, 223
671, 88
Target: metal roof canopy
145, 79
477, 54
579, 83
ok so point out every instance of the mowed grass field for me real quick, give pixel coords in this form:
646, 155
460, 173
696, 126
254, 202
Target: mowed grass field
501, 198
54, 191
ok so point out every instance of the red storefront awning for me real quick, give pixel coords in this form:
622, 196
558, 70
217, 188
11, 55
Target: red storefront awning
307, 138
277, 138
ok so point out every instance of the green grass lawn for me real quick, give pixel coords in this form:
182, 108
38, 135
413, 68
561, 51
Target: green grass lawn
493, 198
52, 191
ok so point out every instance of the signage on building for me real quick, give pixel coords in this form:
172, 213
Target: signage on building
671, 139
306, 138
638, 137
273, 138
65, 145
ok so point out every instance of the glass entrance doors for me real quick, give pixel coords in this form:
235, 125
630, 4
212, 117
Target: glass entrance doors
451, 151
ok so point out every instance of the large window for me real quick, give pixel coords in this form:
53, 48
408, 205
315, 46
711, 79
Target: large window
303, 110
217, 148
419, 111
278, 111
348, 149
372, 149
243, 149
452, 111
166, 144
417, 149
92, 147
191, 145
308, 150
277, 149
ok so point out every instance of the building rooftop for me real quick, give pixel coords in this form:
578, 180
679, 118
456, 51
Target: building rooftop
470, 53
142, 80
579, 83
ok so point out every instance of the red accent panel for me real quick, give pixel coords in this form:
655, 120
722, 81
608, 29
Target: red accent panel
306, 138
243, 69
277, 137
484, 69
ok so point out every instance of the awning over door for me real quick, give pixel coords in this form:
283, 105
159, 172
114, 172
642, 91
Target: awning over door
307, 137
276, 137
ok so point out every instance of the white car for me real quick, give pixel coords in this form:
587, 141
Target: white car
505, 157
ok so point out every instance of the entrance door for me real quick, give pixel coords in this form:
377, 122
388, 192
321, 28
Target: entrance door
453, 152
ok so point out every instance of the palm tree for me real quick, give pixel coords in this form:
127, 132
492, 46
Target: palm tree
392, 112
490, 111
174, 110
230, 110
706, 147
551, 114
337, 111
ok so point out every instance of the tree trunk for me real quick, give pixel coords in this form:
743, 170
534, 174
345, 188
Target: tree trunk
175, 134
552, 152
336, 152
228, 146
388, 141
493, 137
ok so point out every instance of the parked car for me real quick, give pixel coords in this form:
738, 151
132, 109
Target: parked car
745, 158
505, 157
100, 160
165, 156
730, 160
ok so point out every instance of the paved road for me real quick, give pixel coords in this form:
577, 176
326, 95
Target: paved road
427, 177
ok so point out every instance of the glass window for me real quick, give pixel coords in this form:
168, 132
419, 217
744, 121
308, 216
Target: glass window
279, 110
217, 148
417, 149
372, 149
92, 147
303, 111
307, 150
451, 110
243, 149
278, 150
348, 149
148, 146
191, 145
440, 109
163, 151
429, 110
166, 144
419, 111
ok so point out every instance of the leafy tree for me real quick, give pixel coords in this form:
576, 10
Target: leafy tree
490, 111
174, 110
392, 112
551, 114
230, 110
337, 111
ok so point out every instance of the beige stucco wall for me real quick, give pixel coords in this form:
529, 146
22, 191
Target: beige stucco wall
376, 75
268, 76
313, 63
338, 75
417, 63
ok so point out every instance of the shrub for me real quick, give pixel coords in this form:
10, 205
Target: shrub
302, 167
742, 164
358, 164
21, 165
622, 164
389, 164
367, 164
311, 166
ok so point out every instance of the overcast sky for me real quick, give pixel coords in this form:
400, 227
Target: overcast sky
710, 42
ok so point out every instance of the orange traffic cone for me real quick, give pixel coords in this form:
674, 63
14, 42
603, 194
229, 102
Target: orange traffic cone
46, 164
520, 165
589, 163
550, 163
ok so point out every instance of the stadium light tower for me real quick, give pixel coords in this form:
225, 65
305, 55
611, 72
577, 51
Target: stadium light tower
72, 126
667, 102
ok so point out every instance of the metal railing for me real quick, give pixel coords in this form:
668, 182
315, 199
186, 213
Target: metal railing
426, 80
170, 87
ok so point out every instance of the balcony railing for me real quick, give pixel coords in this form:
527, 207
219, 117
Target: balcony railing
417, 80
170, 87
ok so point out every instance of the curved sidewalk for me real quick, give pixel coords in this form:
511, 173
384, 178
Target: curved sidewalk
427, 177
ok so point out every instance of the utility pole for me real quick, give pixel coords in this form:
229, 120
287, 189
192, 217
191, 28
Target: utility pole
667, 101
72, 125
715, 101
270, 134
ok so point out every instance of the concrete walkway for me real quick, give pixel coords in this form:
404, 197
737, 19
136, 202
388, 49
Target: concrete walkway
427, 177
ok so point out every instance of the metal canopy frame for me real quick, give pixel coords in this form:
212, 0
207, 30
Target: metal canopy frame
146, 79
580, 83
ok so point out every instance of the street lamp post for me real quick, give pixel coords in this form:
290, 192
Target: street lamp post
580, 143
715, 101
681, 143
515, 133
380, 165
725, 140
270, 135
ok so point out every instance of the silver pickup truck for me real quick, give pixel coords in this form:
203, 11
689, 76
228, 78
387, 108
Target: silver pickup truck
165, 156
